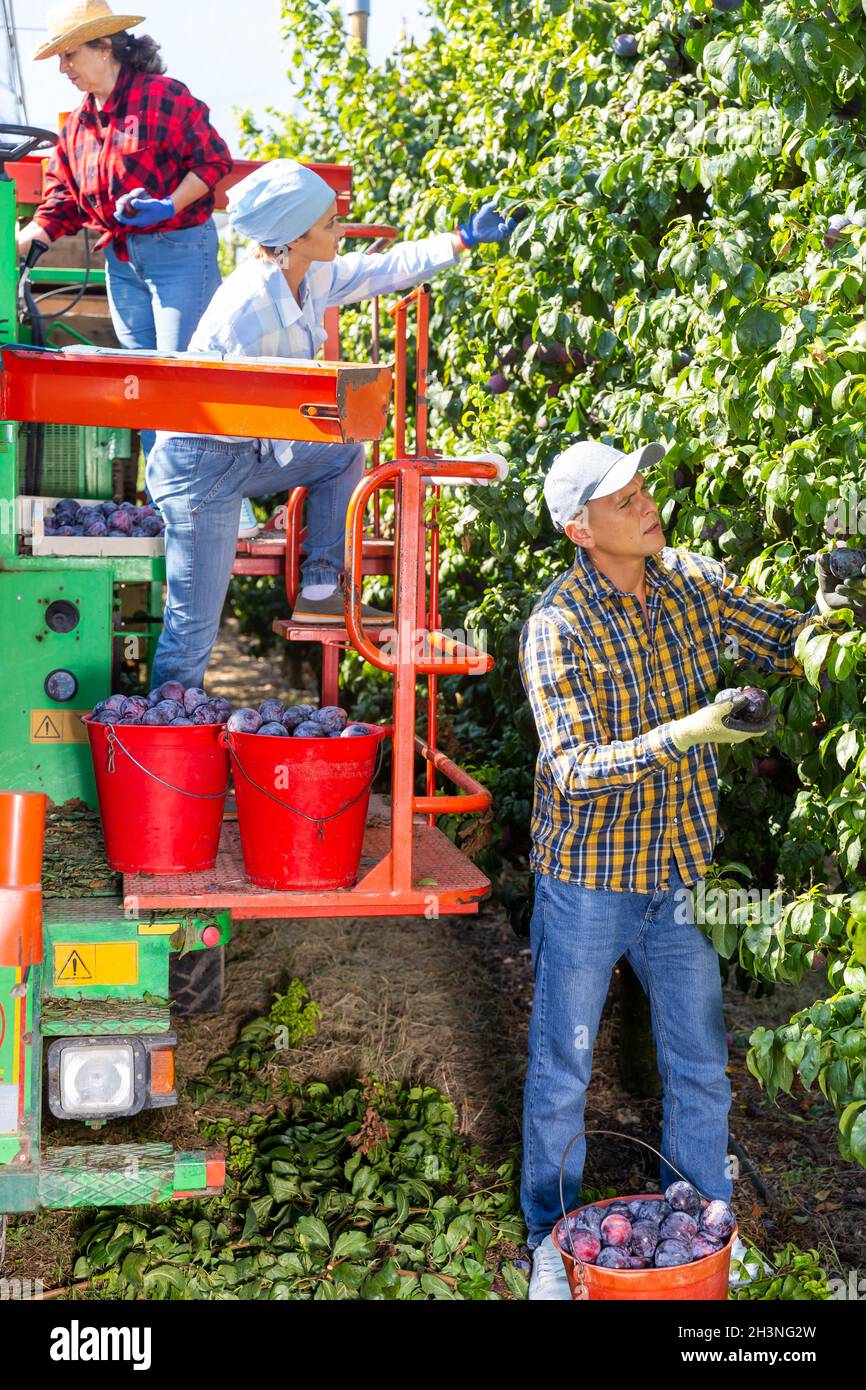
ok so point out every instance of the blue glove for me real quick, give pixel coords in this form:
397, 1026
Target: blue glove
486, 225
138, 209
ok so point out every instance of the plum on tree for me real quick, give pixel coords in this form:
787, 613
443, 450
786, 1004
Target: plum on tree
625, 46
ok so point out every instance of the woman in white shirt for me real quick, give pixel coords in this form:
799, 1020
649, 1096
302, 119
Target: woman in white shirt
273, 305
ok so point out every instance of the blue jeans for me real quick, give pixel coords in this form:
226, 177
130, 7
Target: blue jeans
577, 936
157, 297
198, 485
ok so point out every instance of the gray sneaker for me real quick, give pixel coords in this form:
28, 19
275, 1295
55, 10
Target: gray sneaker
331, 610
549, 1281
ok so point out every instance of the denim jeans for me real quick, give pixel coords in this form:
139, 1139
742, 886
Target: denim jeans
157, 297
198, 485
577, 936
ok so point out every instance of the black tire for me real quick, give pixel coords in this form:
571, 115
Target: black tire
196, 981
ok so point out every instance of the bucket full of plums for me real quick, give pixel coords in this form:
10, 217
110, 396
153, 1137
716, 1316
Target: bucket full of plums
675, 1245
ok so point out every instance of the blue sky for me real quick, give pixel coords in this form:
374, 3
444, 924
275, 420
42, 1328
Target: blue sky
228, 52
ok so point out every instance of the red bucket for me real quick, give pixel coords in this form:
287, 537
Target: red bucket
302, 806
162, 794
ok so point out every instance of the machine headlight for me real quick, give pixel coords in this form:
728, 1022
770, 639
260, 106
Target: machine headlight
105, 1078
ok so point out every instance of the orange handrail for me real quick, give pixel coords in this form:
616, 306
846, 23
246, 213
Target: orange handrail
474, 663
477, 798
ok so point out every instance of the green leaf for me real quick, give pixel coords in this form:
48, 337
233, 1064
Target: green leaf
352, 1245
312, 1233
757, 329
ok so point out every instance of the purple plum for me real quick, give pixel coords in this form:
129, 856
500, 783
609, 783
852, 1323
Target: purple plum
356, 731
310, 730
704, 1245
182, 722
135, 705
156, 715
245, 721
679, 1226
116, 702
192, 698
295, 715
717, 1220
614, 1257
120, 523
49, 526
150, 526
206, 714
274, 729
654, 1210
622, 1207
616, 1229
173, 709
98, 708
672, 1252
96, 528
683, 1197
108, 508
171, 690
153, 696
583, 1244
590, 1217
221, 705
272, 711
332, 718
644, 1238
639, 1262
109, 716
65, 531
130, 719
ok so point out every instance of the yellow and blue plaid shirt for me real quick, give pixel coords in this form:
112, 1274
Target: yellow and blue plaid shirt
616, 802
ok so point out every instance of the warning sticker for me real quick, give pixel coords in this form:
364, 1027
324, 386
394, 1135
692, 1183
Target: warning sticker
57, 726
95, 963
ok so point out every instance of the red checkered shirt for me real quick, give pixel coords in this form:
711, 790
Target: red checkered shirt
150, 133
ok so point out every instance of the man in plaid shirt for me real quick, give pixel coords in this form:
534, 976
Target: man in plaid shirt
620, 660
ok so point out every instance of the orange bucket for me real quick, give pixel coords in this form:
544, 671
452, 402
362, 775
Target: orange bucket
704, 1279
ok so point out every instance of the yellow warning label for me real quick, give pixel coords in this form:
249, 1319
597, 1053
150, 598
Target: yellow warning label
57, 726
96, 963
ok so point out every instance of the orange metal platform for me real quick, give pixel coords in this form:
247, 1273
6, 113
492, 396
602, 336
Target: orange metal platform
443, 881
325, 402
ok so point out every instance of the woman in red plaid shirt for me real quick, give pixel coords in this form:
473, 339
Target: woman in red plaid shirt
137, 161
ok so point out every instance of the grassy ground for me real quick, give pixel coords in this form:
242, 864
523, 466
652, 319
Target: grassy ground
447, 1004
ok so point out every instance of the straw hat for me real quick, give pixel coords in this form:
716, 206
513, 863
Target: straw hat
75, 23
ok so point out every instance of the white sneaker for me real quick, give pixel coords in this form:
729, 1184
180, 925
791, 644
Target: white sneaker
549, 1281
247, 526
746, 1266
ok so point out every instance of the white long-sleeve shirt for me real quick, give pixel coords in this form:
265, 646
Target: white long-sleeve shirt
255, 314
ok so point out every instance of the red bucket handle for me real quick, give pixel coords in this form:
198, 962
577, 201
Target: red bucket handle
617, 1134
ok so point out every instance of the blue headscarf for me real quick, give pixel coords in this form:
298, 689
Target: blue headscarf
278, 202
